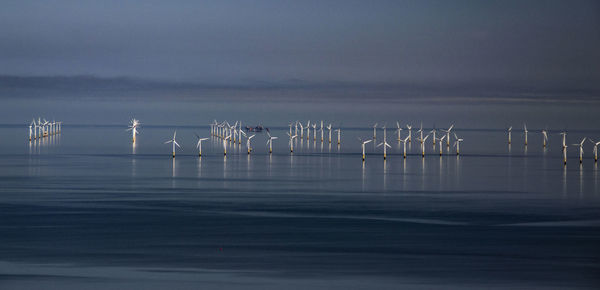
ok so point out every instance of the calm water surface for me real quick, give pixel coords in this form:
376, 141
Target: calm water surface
87, 210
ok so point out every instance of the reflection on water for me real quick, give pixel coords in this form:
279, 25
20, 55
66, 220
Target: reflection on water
564, 181
310, 213
580, 180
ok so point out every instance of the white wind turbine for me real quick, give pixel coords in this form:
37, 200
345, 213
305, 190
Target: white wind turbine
545, 137
595, 149
45, 129
525, 132
212, 128
441, 143
240, 133
292, 141
448, 135
421, 133
308, 130
384, 144
363, 143
248, 143
270, 142
409, 127
329, 128
199, 144
339, 132
30, 130
406, 140
422, 140
322, 131
296, 130
36, 129
457, 144
433, 131
375, 131
509, 134
565, 154
580, 145
314, 127
40, 127
225, 144
133, 128
398, 130
290, 125
234, 131
301, 130
564, 140
174, 143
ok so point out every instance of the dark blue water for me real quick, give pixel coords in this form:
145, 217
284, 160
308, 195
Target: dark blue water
87, 210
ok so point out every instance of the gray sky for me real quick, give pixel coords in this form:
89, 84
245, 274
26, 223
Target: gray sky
544, 42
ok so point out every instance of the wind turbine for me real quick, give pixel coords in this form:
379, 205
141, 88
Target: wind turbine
240, 133
525, 132
441, 143
314, 127
292, 142
422, 140
457, 143
398, 130
421, 133
339, 132
213, 127
565, 154
363, 143
375, 131
433, 131
174, 143
133, 128
234, 131
225, 144
448, 135
248, 143
199, 144
409, 127
595, 149
580, 145
509, 134
322, 131
384, 143
301, 130
406, 140
40, 128
45, 128
296, 130
545, 137
329, 128
270, 142
308, 130
564, 140
30, 130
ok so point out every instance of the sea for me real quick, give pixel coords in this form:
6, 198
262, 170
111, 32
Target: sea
87, 208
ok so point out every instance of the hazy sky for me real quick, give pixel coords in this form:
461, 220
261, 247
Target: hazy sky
317, 41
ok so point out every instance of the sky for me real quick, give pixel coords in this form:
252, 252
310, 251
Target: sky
516, 42
188, 62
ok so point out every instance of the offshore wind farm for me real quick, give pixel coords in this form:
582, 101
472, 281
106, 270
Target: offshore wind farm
222, 187
299, 145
